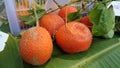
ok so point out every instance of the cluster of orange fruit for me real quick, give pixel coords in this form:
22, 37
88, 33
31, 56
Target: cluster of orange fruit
36, 43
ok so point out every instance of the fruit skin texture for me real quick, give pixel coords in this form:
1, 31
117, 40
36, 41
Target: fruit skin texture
36, 46
66, 10
85, 20
74, 37
52, 22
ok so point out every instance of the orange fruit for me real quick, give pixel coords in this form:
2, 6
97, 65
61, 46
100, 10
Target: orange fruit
74, 37
66, 10
36, 46
85, 20
51, 22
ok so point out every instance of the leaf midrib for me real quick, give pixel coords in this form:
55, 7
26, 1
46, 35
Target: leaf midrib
95, 56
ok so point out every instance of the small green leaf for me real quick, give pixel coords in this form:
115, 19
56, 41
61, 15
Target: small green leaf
30, 20
38, 9
25, 18
74, 16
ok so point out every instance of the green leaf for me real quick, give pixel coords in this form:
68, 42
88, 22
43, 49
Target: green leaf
5, 27
56, 50
25, 18
26, 65
30, 19
10, 56
74, 16
103, 53
31, 22
1, 23
103, 20
110, 34
38, 9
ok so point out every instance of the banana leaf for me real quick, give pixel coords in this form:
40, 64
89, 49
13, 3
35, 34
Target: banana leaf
103, 53
10, 56
5, 27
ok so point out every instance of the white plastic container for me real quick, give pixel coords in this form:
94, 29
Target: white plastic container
12, 16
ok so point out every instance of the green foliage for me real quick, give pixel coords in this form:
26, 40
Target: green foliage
75, 16
110, 34
31, 19
1, 23
5, 27
103, 20
10, 56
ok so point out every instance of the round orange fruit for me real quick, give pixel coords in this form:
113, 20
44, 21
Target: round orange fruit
36, 46
74, 37
63, 12
52, 22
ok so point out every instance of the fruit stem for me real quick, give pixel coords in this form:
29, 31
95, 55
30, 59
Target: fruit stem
92, 2
57, 3
37, 22
66, 16
73, 1
55, 9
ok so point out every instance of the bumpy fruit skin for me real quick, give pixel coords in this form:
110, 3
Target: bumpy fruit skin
36, 46
74, 37
66, 10
52, 22
85, 20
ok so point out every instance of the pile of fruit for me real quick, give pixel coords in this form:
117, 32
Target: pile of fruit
72, 37
71, 31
